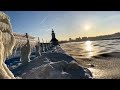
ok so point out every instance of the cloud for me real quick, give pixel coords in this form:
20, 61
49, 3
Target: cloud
44, 19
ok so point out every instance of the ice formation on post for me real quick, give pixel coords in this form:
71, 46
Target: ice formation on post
25, 52
46, 46
43, 46
38, 53
7, 43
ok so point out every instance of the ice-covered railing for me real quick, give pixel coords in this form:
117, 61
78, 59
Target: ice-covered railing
22, 36
21, 40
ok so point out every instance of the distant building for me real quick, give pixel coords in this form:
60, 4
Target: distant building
78, 39
84, 38
54, 41
70, 39
91, 38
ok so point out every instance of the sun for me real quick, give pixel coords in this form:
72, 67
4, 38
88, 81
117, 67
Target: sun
87, 27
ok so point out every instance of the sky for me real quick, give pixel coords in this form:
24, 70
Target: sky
66, 24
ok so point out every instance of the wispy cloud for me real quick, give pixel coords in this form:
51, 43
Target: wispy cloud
44, 19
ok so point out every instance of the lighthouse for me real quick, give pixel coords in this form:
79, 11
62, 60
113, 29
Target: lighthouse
54, 41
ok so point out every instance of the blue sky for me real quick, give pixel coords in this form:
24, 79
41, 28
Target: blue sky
65, 23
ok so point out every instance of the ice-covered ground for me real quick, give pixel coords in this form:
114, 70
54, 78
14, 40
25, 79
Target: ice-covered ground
53, 64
